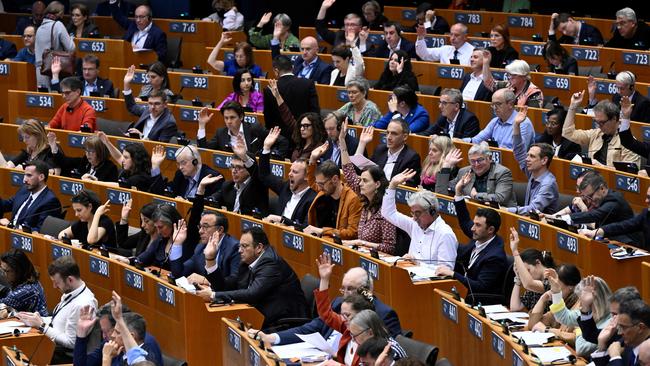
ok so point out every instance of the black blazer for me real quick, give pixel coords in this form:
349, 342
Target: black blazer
627, 358
486, 275
104, 87
567, 67
7, 49
382, 51
631, 143
253, 196
179, 183
589, 36
321, 73
640, 108
46, 204
126, 244
105, 172
501, 58
227, 257
568, 148
351, 144
407, 159
90, 30
163, 130
441, 26
640, 222
156, 39
254, 134
467, 125
299, 95
271, 286
281, 188
482, 93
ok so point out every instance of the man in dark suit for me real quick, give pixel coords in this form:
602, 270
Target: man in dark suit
425, 14
7, 49
472, 87
353, 279
308, 65
298, 93
264, 280
351, 23
141, 32
188, 176
395, 156
245, 193
34, 201
633, 325
155, 122
203, 226
625, 82
333, 122
454, 121
573, 32
93, 85
393, 40
225, 138
480, 265
38, 11
294, 196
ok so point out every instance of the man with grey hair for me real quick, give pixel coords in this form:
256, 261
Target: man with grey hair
630, 33
455, 120
489, 182
499, 129
188, 176
458, 52
625, 84
433, 242
351, 26
603, 143
353, 279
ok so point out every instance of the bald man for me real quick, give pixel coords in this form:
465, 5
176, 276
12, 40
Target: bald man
353, 279
141, 32
308, 65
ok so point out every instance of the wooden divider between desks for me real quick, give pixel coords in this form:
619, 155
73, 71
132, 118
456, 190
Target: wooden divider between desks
645, 282
14, 75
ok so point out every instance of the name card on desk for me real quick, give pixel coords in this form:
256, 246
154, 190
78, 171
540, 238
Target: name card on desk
161, 201
221, 160
402, 195
140, 77
59, 250
182, 27
166, 294
253, 356
575, 170
250, 119
468, 18
189, 114
92, 46
75, 140
293, 241
528, 229
606, 87
234, 339
645, 131
625, 183
433, 41
521, 21
39, 101
133, 279
516, 359
194, 82
22, 242
635, 58
371, 267
98, 266
496, 156
475, 326
382, 137
336, 254
16, 179
477, 43
530, 49
408, 14
555, 82
247, 224
450, 310
121, 144
170, 152
118, 197
567, 242
446, 206
375, 39
98, 105
586, 54
450, 72
277, 170
70, 188
352, 132
499, 75
4, 69
342, 96
498, 345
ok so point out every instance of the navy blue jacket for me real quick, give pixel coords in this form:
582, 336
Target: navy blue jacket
321, 73
385, 312
163, 130
640, 222
627, 358
640, 106
95, 357
589, 36
487, 273
156, 39
467, 125
351, 144
46, 204
7, 49
384, 52
482, 93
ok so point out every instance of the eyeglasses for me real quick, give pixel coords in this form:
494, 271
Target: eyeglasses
354, 336
305, 125
322, 184
237, 167
343, 290
205, 226
477, 161
444, 103
601, 123
623, 327
590, 196
496, 104
90, 151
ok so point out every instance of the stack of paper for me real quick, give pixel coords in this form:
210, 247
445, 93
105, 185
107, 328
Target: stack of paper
551, 354
533, 338
303, 350
421, 273
516, 317
489, 309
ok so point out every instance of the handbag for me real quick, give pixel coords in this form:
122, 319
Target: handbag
67, 59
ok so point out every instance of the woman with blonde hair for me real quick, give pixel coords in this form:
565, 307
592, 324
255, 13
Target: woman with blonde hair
33, 135
439, 147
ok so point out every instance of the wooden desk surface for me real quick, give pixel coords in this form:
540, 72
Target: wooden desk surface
28, 343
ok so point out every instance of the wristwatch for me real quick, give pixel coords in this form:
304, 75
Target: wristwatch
41, 328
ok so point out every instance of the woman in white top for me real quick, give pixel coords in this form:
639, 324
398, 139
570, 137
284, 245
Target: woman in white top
348, 64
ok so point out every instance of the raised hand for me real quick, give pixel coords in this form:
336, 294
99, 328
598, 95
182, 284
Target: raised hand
392, 103
103, 137
453, 157
86, 321
487, 57
587, 294
462, 182
521, 115
402, 178
157, 156
211, 248
239, 148
318, 152
225, 38
272, 138
591, 87
116, 306
626, 107
363, 35
180, 232
264, 20
343, 132
51, 140
128, 78
607, 333
576, 99
327, 4
552, 277
126, 210
514, 240
400, 67
273, 86
277, 30
210, 179
325, 266
350, 37
56, 67
204, 117
366, 135
103, 209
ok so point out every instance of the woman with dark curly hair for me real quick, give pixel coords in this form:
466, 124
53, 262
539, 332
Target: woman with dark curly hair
398, 72
25, 292
135, 162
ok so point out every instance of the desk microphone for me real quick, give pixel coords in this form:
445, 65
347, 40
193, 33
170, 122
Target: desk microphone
60, 209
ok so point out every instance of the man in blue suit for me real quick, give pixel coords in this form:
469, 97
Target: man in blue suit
156, 123
480, 265
633, 325
142, 33
353, 279
34, 201
308, 65
454, 121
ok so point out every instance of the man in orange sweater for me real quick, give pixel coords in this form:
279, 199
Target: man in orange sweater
75, 112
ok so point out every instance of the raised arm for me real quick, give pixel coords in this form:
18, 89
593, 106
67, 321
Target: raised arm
212, 59
569, 129
116, 154
523, 275
96, 232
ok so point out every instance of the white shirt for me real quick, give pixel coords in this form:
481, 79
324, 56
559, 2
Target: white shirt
293, 202
469, 93
63, 328
239, 188
390, 162
233, 138
451, 125
436, 245
22, 207
140, 37
444, 53
151, 121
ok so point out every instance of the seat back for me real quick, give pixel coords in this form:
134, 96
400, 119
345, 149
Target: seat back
173, 56
111, 127
308, 284
53, 226
421, 351
171, 361
443, 362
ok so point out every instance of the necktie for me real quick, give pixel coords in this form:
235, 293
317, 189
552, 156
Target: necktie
601, 155
23, 212
455, 55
